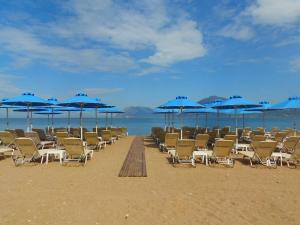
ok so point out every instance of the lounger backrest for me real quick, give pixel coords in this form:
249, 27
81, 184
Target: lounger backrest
230, 137
171, 139
264, 149
223, 148
91, 138
296, 153
26, 146
113, 132
41, 134
280, 136
201, 140
73, 146
291, 142
76, 132
34, 136
185, 148
258, 138
106, 135
20, 132
60, 136
6, 137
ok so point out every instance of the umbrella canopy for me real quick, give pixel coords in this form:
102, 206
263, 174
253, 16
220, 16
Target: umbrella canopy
292, 103
236, 102
28, 100
265, 106
180, 102
81, 101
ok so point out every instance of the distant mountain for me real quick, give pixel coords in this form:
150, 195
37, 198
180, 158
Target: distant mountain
136, 111
210, 99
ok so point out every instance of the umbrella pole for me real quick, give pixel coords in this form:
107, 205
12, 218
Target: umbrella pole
181, 116
295, 112
206, 117
28, 122
263, 119
96, 116
69, 122
111, 119
48, 125
31, 121
81, 130
7, 121
52, 121
106, 118
236, 125
165, 116
243, 120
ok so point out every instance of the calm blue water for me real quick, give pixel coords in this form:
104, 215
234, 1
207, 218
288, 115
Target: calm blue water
142, 126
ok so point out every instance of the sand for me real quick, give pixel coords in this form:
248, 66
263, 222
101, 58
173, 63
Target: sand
52, 194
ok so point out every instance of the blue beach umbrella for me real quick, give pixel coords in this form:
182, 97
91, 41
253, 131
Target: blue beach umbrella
27, 100
236, 102
181, 103
292, 103
82, 101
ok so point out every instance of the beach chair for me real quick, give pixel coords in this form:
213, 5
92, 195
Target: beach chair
184, 152
262, 153
20, 132
201, 141
76, 151
40, 144
59, 138
222, 153
293, 159
170, 142
107, 137
28, 151
93, 141
7, 142
258, 138
280, 136
42, 135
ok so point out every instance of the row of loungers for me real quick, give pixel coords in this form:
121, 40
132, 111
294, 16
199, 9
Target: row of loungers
61, 145
266, 149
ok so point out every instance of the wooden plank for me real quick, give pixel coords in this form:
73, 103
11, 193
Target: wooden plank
135, 163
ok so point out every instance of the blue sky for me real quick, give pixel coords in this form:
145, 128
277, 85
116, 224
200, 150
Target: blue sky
146, 52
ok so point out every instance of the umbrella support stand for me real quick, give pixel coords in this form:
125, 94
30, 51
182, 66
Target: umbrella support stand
52, 122
48, 125
206, 118
111, 119
106, 119
28, 122
236, 126
96, 116
181, 120
81, 129
295, 115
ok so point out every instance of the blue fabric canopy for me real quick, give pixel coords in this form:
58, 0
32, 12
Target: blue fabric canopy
163, 111
81, 100
236, 102
110, 110
202, 110
290, 103
265, 106
26, 99
181, 102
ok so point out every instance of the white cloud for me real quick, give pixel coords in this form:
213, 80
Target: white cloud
238, 32
274, 12
103, 35
150, 70
7, 85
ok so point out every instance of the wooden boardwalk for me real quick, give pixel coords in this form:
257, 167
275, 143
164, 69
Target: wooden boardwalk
135, 163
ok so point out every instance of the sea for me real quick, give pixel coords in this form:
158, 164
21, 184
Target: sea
142, 126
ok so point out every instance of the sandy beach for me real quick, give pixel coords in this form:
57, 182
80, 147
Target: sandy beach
94, 194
